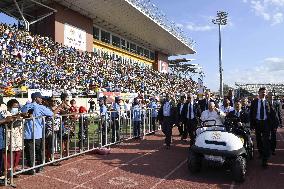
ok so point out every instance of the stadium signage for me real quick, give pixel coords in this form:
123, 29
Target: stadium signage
75, 37
163, 66
42, 91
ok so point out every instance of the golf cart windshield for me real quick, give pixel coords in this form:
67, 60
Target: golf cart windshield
209, 125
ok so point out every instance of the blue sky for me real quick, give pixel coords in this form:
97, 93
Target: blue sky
253, 42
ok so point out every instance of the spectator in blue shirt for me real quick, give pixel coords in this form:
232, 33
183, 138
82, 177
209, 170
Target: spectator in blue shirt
34, 128
154, 113
137, 118
115, 119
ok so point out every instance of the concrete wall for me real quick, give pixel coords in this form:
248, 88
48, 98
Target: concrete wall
68, 16
53, 26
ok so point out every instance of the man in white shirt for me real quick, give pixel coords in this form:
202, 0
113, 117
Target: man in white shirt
166, 117
226, 108
212, 115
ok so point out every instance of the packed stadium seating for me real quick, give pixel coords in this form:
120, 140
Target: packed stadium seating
39, 63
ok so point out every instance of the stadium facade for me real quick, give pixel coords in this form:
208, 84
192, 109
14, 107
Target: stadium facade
128, 30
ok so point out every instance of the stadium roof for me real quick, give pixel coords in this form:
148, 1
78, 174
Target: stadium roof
123, 17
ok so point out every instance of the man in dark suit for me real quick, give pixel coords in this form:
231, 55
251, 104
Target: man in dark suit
261, 119
203, 104
275, 107
245, 105
190, 114
240, 117
239, 113
179, 121
166, 117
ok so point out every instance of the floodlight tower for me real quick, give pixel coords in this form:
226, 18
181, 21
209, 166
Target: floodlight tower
221, 19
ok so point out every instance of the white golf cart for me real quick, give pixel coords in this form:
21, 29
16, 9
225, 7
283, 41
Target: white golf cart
226, 145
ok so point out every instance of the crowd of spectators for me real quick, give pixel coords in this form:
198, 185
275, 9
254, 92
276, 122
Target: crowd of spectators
37, 62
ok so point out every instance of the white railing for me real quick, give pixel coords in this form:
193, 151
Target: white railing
66, 136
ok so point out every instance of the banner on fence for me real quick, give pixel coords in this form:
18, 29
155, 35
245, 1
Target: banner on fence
42, 91
110, 96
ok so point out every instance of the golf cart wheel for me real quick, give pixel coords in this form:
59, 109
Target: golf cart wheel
239, 169
194, 162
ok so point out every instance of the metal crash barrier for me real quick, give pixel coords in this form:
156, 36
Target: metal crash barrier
64, 136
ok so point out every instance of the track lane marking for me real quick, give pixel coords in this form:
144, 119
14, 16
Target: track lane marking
52, 169
123, 164
64, 181
169, 174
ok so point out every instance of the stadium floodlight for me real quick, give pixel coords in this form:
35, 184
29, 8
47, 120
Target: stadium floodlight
220, 20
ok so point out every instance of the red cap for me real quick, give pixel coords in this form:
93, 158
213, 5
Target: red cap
82, 109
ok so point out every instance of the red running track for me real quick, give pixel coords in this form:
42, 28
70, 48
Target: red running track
147, 164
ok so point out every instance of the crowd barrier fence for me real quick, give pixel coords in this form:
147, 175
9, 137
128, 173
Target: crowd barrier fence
64, 136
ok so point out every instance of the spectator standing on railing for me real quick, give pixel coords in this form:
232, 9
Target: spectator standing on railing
115, 113
137, 118
34, 130
154, 113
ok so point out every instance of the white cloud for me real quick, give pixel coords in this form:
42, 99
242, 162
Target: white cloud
269, 10
179, 25
195, 27
260, 9
270, 71
278, 18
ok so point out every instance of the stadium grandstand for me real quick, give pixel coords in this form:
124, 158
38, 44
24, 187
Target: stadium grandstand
86, 45
252, 88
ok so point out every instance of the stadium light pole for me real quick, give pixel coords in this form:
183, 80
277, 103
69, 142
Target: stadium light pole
220, 20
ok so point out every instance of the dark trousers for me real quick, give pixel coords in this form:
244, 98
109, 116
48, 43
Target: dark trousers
273, 139
136, 129
104, 132
181, 126
83, 134
2, 151
114, 130
29, 151
190, 129
167, 129
262, 132
153, 124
